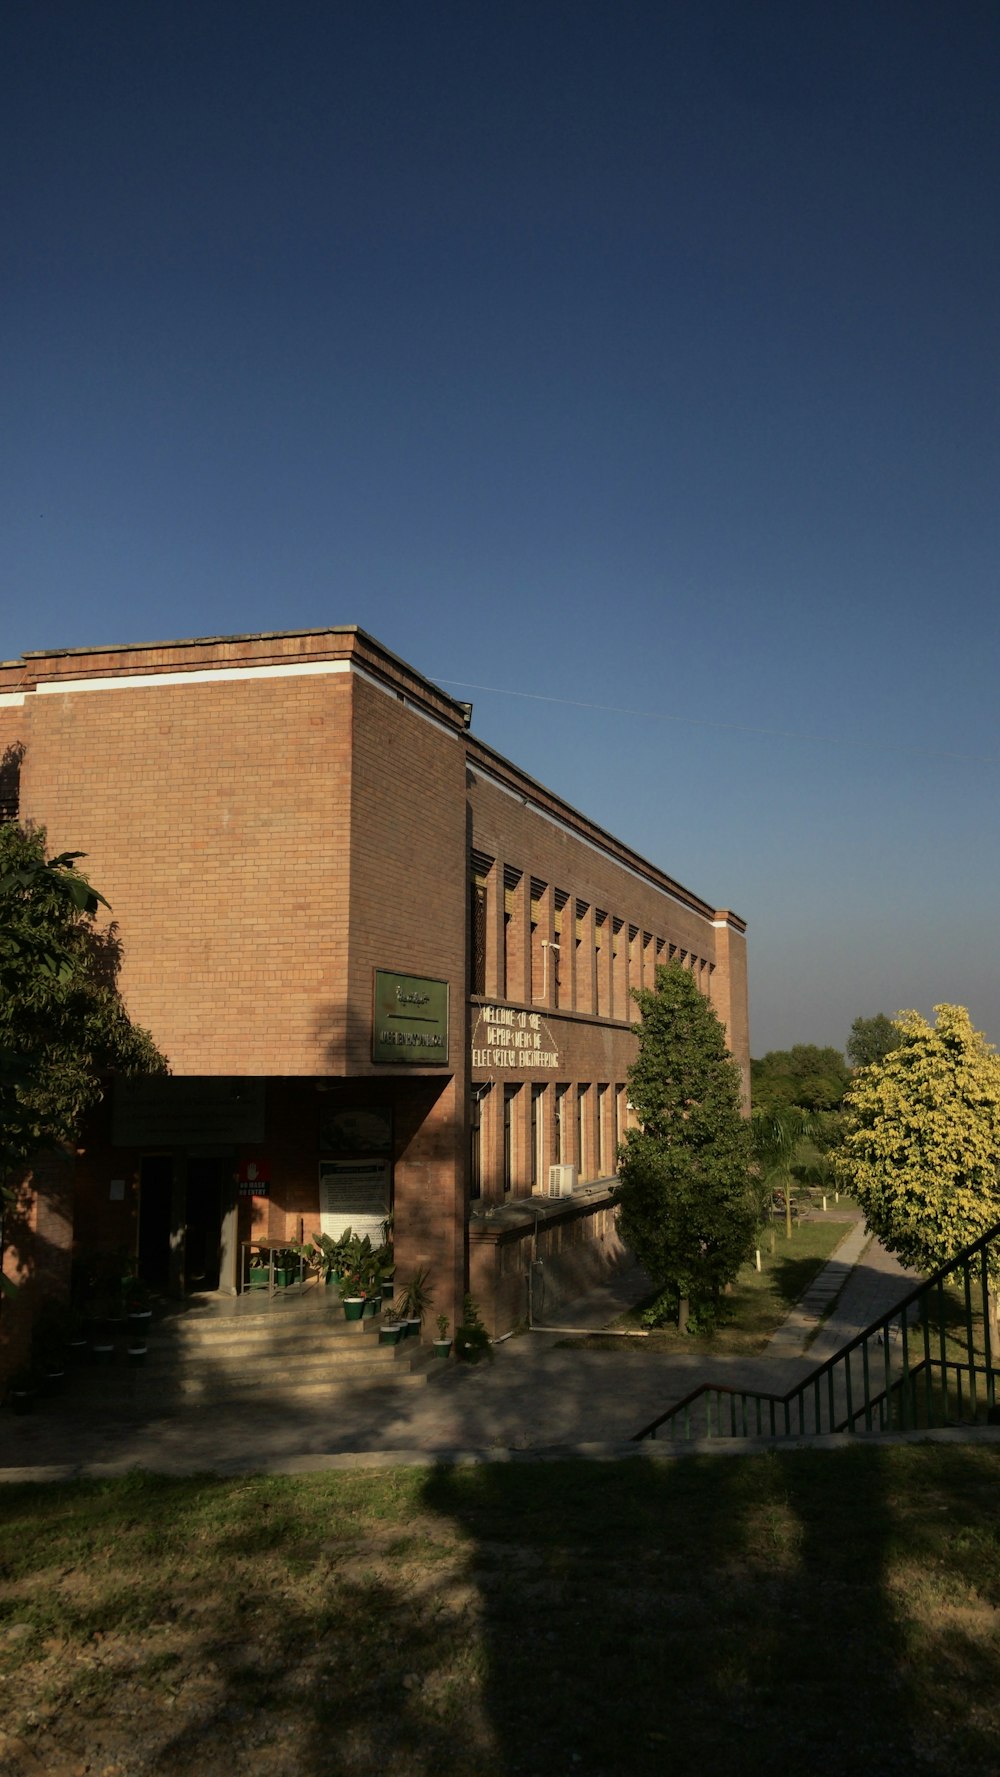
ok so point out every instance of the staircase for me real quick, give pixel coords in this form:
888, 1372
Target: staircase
279, 1353
933, 1360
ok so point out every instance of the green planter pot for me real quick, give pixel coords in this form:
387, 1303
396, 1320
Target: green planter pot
103, 1353
137, 1355
388, 1291
258, 1280
390, 1335
442, 1348
412, 1329
21, 1400
354, 1307
282, 1277
373, 1306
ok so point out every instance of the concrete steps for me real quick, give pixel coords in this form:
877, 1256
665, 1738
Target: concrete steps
295, 1353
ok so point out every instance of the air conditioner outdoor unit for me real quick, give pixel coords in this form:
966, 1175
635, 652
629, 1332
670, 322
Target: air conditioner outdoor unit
562, 1181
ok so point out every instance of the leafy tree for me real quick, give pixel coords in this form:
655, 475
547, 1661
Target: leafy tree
62, 1022
814, 1079
689, 1204
921, 1146
872, 1039
776, 1136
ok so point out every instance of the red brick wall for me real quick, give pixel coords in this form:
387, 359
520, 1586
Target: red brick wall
408, 889
215, 818
592, 1050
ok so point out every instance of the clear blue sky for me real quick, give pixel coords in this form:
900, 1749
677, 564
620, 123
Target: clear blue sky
643, 356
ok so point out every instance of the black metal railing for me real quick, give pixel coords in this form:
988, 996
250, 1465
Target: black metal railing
928, 1362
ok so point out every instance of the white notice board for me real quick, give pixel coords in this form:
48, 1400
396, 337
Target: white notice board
353, 1194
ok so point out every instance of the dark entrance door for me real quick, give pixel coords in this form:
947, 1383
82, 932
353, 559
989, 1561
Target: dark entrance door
203, 1219
156, 1183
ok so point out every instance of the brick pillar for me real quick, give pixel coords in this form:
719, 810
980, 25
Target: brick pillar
729, 990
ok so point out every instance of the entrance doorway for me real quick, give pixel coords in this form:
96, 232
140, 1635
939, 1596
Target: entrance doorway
203, 1223
156, 1191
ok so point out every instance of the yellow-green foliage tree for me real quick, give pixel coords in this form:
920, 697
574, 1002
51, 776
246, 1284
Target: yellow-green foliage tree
921, 1147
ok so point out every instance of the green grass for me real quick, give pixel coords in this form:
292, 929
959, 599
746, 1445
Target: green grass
795, 1612
759, 1302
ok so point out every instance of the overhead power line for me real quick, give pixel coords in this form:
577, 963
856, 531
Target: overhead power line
613, 709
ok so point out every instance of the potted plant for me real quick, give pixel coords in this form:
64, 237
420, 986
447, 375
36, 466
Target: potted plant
472, 1341
22, 1389
390, 1332
285, 1267
442, 1344
137, 1305
260, 1270
51, 1336
328, 1256
413, 1301
352, 1296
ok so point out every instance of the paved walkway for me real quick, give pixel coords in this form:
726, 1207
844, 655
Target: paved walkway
539, 1397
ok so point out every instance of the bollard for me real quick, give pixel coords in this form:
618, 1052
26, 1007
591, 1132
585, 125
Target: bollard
824, 1203
758, 1258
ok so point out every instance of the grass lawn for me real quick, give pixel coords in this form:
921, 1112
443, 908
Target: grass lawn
759, 1302
795, 1612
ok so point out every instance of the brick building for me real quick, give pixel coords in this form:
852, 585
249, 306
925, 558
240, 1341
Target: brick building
387, 967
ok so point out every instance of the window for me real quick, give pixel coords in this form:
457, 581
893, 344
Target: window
478, 913
561, 928
509, 1144
539, 956
562, 1132
477, 927
604, 1165
10, 781
511, 986
603, 976
537, 1134
582, 1144
476, 1141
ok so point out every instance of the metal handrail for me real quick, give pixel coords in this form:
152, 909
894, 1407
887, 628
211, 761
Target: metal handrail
915, 1390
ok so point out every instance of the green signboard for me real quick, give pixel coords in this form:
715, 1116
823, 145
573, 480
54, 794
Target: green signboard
411, 1020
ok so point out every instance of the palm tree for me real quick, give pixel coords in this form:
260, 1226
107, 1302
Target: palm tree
776, 1135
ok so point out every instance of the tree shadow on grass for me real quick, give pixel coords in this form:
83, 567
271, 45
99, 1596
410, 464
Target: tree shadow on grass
801, 1611
726, 1613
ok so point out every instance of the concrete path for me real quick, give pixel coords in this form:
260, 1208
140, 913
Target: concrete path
539, 1396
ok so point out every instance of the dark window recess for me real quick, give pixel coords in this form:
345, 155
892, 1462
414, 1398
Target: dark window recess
509, 1095
476, 1143
477, 982
10, 782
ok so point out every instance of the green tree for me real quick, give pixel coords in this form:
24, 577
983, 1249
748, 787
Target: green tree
62, 1022
776, 1136
814, 1079
872, 1039
689, 1203
921, 1145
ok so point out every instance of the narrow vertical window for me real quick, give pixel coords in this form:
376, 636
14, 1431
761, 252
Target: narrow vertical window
512, 938
562, 1133
562, 936
477, 927
537, 1135
509, 1153
582, 1144
603, 1165
538, 955
476, 1141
